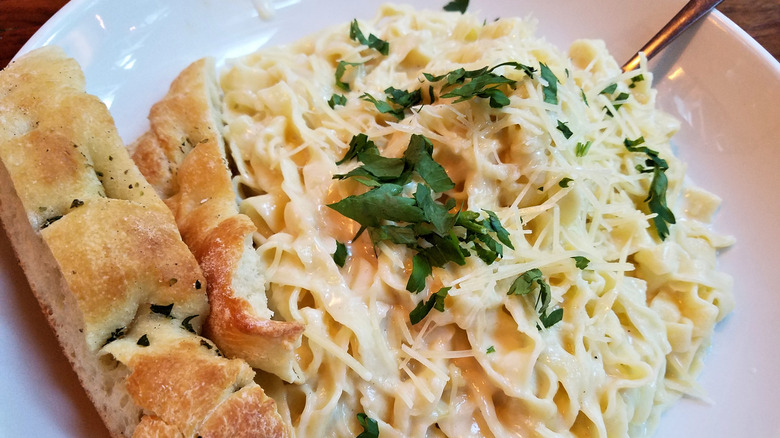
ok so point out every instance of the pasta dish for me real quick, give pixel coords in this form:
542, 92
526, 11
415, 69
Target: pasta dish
483, 235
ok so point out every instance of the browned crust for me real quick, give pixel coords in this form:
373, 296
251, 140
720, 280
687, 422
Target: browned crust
231, 323
243, 415
195, 181
106, 247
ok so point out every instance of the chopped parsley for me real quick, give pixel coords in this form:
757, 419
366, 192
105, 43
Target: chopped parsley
436, 232
340, 256
436, 301
523, 286
565, 182
491, 349
337, 99
582, 148
635, 79
457, 6
581, 262
370, 426
341, 69
609, 90
372, 41
398, 101
467, 84
564, 129
550, 90
656, 197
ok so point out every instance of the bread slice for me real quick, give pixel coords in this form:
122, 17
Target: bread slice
183, 156
106, 262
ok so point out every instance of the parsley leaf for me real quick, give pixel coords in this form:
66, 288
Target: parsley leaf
609, 90
564, 129
565, 182
549, 320
581, 262
436, 301
398, 101
337, 99
356, 145
340, 256
491, 349
372, 42
635, 79
551, 89
582, 148
656, 197
419, 154
495, 224
370, 426
478, 83
341, 69
457, 6
421, 269
376, 205
522, 286
419, 222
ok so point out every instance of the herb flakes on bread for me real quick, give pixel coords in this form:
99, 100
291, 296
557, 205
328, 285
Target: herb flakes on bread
104, 258
183, 156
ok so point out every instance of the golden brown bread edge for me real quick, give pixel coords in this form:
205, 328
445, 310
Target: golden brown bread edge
183, 156
106, 262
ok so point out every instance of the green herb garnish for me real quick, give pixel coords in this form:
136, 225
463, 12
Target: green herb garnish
341, 68
457, 6
635, 79
656, 197
565, 182
564, 129
551, 89
398, 101
609, 90
491, 349
467, 84
340, 256
337, 99
372, 41
436, 233
582, 148
523, 285
436, 301
581, 262
370, 426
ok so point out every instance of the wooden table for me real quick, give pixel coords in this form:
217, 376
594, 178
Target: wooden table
19, 19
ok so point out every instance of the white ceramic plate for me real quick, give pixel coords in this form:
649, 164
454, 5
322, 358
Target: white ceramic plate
722, 85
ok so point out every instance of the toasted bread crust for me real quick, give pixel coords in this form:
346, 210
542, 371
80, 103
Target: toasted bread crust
102, 252
199, 192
